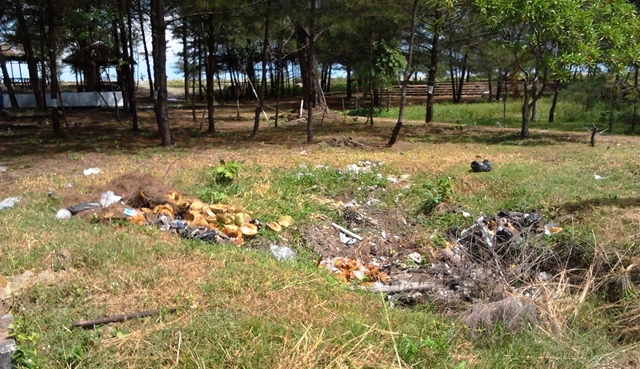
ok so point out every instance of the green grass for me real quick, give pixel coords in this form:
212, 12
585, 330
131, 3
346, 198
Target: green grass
238, 307
571, 115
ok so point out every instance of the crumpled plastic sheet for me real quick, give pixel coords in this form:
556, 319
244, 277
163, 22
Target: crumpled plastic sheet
9, 202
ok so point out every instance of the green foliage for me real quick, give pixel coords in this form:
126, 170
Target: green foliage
434, 194
388, 62
225, 172
27, 339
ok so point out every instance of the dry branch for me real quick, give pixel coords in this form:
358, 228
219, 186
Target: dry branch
92, 323
417, 286
347, 232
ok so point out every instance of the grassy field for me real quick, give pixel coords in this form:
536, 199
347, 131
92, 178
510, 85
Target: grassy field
238, 307
576, 110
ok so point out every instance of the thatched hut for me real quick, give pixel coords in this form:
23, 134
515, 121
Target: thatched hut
89, 62
15, 57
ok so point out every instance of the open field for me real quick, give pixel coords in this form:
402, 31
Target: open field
238, 307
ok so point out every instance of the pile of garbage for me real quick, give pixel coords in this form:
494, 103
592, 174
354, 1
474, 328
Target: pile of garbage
171, 211
481, 166
345, 141
353, 270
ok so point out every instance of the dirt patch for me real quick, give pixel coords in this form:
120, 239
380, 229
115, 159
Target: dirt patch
487, 272
138, 190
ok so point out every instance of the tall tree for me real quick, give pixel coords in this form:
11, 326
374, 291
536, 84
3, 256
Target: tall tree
127, 65
158, 30
211, 66
53, 67
141, 11
408, 71
264, 59
25, 37
312, 92
549, 37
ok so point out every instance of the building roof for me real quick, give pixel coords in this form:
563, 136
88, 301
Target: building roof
97, 53
13, 52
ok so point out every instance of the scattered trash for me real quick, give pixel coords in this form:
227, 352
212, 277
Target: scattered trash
285, 221
506, 226
91, 171
3, 168
347, 240
598, 177
9, 202
7, 345
108, 198
345, 141
392, 179
347, 232
178, 224
363, 166
74, 209
274, 226
130, 212
63, 214
416, 257
483, 166
282, 252
355, 270
152, 203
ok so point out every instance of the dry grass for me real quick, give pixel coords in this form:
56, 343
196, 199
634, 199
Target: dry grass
239, 308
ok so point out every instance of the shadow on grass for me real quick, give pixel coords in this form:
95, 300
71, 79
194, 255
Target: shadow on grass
98, 131
455, 133
590, 204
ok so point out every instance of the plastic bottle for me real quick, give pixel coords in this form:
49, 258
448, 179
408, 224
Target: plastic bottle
178, 224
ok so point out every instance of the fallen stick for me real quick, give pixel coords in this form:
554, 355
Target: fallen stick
92, 323
347, 232
416, 286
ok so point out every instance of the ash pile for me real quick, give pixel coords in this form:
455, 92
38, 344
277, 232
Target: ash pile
488, 271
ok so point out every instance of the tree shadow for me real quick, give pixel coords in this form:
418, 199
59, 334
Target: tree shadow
99, 131
587, 205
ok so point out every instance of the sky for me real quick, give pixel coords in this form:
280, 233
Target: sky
173, 46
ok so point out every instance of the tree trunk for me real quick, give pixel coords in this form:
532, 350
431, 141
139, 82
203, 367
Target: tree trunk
200, 64
211, 65
526, 114
554, 102
131, 85
349, 83
405, 78
7, 81
125, 74
309, 69
159, 42
433, 67
116, 23
463, 73
490, 80
53, 67
263, 82
185, 60
146, 50
25, 38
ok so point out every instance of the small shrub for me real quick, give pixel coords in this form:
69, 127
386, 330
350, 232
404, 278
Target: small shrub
225, 172
436, 194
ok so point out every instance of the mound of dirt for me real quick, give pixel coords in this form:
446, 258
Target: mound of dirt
138, 190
